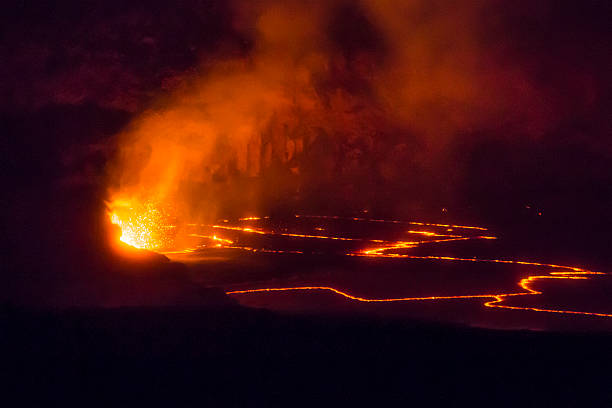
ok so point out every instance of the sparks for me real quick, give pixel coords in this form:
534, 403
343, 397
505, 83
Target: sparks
143, 226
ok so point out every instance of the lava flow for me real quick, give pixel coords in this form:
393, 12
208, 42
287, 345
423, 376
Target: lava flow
146, 229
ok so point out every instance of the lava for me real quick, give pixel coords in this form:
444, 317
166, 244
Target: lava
145, 226
386, 251
497, 298
284, 234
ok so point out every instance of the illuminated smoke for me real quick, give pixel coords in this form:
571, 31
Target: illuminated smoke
335, 101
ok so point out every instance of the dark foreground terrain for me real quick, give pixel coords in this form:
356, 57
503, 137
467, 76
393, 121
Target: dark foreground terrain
233, 356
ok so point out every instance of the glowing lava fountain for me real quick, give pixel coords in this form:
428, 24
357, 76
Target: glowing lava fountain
145, 225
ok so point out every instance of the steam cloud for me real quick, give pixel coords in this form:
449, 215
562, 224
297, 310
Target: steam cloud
336, 101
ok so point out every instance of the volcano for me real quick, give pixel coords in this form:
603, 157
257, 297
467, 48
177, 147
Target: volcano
237, 203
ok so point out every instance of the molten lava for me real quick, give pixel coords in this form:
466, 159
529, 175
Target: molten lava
143, 225
148, 226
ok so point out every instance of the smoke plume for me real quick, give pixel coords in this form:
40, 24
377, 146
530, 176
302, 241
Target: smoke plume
334, 104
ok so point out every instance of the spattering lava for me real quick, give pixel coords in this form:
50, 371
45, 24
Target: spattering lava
143, 225
148, 228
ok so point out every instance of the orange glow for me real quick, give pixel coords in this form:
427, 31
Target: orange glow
386, 251
496, 301
360, 299
143, 226
219, 241
146, 226
431, 234
285, 234
335, 217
